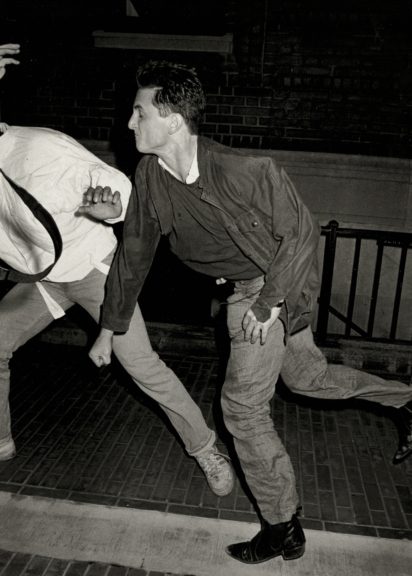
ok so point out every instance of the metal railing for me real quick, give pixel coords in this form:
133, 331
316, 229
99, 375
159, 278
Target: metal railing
382, 242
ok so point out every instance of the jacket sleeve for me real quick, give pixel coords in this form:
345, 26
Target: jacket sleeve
132, 261
297, 234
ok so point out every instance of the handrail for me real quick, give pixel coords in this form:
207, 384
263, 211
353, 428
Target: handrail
385, 240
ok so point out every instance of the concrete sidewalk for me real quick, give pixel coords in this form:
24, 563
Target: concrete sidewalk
161, 542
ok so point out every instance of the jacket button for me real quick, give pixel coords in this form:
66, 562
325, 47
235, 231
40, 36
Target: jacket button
255, 223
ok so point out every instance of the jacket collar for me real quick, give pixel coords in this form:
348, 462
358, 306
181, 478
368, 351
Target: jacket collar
204, 150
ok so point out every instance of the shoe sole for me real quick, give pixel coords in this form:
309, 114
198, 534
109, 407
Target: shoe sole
402, 457
6, 457
292, 554
7, 451
222, 493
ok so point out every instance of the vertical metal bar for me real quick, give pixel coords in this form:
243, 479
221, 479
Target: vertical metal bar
398, 294
353, 284
327, 279
375, 288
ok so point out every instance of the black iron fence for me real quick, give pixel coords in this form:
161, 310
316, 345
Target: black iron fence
366, 286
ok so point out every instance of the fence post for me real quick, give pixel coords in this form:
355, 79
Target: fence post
327, 278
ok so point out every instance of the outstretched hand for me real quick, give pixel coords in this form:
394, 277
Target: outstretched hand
6, 50
101, 203
255, 330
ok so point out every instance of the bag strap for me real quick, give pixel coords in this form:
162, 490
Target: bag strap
43, 216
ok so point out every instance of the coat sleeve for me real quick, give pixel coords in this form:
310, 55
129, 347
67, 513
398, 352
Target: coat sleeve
291, 270
132, 261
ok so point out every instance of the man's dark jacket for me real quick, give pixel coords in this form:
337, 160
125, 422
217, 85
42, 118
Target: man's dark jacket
261, 211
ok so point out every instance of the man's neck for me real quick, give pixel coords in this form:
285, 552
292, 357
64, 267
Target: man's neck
179, 158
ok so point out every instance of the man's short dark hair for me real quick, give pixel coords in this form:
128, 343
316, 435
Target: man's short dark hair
178, 90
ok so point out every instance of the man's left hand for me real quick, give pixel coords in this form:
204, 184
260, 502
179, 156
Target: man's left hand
255, 330
101, 203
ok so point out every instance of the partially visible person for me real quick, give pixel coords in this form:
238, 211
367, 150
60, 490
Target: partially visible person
236, 215
7, 51
56, 170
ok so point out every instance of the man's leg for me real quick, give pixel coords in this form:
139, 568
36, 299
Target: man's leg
247, 393
249, 387
23, 314
150, 373
305, 371
134, 351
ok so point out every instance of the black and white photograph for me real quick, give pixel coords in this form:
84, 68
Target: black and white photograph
205, 288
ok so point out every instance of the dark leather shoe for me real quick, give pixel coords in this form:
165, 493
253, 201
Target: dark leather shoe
286, 539
404, 422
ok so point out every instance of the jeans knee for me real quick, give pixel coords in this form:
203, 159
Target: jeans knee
231, 413
245, 419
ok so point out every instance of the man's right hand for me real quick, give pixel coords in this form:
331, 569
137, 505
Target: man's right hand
101, 351
101, 203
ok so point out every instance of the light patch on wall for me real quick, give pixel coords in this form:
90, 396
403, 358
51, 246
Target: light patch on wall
131, 10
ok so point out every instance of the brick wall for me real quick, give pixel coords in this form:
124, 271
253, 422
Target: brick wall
304, 75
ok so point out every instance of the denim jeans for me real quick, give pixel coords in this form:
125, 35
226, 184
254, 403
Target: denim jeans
305, 371
23, 314
249, 388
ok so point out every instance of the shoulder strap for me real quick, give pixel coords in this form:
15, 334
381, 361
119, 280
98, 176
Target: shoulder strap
41, 214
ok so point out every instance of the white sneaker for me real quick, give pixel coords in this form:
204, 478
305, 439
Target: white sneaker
218, 471
7, 449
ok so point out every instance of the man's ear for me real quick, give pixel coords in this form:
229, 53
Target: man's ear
175, 122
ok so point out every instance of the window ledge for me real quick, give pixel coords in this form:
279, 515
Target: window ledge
139, 41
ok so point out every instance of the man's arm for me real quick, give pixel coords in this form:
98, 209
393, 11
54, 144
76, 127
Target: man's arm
101, 204
132, 262
298, 236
